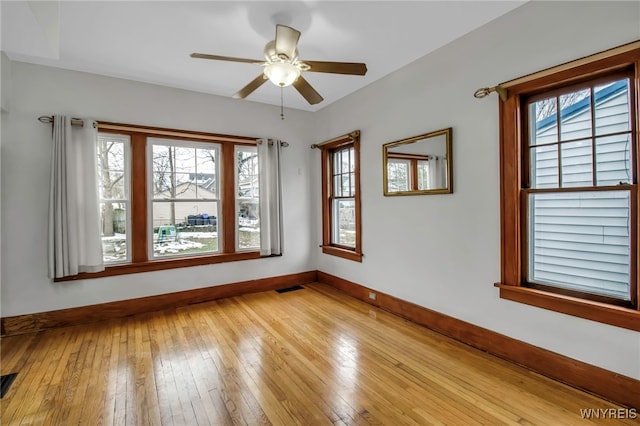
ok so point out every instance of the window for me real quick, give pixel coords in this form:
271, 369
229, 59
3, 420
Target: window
184, 197
113, 181
174, 198
341, 197
411, 172
247, 198
570, 209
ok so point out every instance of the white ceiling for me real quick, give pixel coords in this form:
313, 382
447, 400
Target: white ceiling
150, 41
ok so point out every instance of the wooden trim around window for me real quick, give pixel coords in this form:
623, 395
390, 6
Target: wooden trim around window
342, 252
572, 65
513, 221
604, 383
596, 311
227, 192
138, 198
174, 133
160, 264
326, 148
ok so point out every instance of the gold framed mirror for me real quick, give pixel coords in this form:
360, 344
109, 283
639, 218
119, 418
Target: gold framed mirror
419, 165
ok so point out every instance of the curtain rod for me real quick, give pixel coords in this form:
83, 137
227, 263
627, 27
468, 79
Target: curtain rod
271, 141
79, 122
48, 120
353, 135
501, 89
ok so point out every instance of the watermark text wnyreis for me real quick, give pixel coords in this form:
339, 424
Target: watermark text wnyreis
608, 413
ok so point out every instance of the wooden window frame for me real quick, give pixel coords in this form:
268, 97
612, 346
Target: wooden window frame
513, 218
327, 148
139, 199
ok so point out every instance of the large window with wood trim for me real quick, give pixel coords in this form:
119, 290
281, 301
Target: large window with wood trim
174, 198
569, 198
341, 197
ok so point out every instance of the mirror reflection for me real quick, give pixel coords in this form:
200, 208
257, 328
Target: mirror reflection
418, 165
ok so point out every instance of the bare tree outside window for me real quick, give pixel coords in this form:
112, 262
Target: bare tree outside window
114, 194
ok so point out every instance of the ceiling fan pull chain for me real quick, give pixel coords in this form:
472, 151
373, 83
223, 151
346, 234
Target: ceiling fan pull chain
281, 103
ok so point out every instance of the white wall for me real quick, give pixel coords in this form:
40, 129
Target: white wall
26, 151
442, 251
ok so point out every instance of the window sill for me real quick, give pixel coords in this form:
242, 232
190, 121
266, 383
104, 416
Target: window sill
158, 265
343, 253
595, 311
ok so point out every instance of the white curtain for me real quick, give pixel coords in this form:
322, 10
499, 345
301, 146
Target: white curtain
437, 172
74, 213
269, 153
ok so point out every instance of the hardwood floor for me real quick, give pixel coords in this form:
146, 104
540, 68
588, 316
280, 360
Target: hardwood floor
311, 357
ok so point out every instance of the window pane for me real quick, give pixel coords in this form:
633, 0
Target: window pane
344, 222
544, 166
162, 185
206, 186
352, 160
206, 161
337, 186
575, 115
346, 160
346, 184
185, 188
184, 159
544, 116
580, 241
397, 175
184, 227
113, 182
113, 219
183, 172
613, 109
248, 198
161, 158
337, 162
423, 175
577, 164
613, 154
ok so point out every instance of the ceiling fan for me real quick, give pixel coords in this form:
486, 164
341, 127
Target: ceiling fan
283, 67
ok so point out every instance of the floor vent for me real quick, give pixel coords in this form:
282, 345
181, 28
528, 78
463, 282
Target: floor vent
6, 382
288, 289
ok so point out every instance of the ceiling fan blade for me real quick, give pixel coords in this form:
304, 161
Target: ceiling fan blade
286, 41
353, 68
249, 88
226, 58
308, 92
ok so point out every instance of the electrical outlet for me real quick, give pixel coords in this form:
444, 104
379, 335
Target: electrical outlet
372, 295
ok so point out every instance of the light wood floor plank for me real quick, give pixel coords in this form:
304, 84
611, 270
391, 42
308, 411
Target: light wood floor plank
308, 357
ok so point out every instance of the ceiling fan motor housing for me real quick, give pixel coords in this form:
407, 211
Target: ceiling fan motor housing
271, 55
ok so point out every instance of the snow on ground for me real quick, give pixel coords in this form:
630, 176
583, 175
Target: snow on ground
176, 246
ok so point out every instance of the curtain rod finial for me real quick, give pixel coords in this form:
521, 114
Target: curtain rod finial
484, 91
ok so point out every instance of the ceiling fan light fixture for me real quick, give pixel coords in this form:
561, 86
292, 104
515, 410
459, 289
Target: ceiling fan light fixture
282, 74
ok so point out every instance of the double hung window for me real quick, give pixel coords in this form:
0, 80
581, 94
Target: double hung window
569, 178
341, 197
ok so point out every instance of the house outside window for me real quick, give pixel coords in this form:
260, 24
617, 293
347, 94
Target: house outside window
569, 189
341, 197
